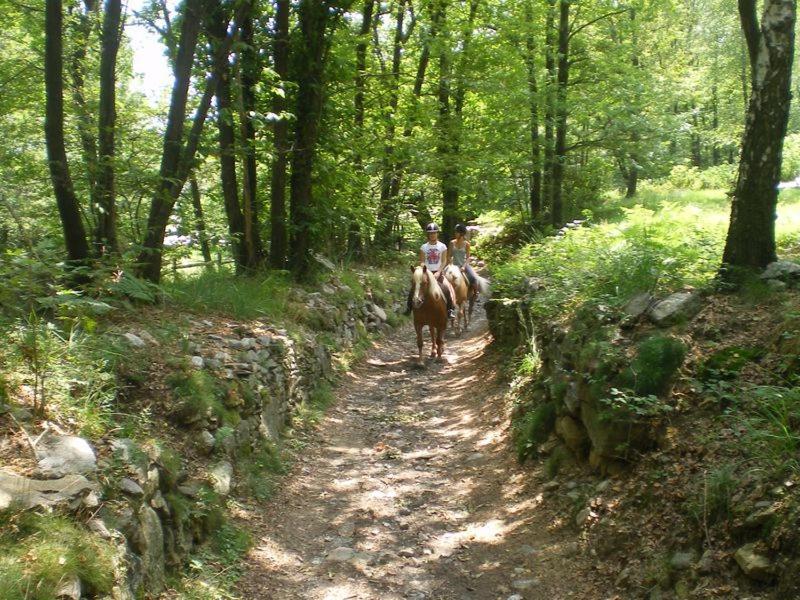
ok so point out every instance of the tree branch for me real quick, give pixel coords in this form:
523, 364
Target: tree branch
749, 20
577, 30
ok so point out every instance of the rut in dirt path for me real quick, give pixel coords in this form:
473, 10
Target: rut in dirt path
410, 490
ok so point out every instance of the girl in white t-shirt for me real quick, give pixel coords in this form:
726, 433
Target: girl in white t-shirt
433, 254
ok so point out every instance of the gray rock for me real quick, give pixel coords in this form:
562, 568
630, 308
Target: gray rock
197, 362
341, 554
29, 493
148, 541
515, 597
573, 434
638, 305
602, 486
379, 312
221, 476
130, 487
70, 589
98, 527
781, 269
682, 561
406, 552
206, 441
705, 565
675, 308
60, 455
134, 340
753, 564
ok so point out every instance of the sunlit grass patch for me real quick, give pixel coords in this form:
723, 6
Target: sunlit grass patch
40, 553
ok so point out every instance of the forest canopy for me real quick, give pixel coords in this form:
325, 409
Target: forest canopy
341, 127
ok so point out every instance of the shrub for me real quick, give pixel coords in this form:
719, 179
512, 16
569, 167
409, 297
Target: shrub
657, 360
533, 427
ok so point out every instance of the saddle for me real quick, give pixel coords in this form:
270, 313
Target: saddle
445, 285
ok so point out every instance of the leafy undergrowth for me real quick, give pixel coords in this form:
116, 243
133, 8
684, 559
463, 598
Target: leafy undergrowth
726, 471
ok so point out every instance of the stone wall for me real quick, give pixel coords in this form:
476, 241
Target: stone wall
234, 389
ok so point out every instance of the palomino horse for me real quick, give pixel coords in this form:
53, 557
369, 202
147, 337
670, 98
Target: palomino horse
461, 291
430, 308
481, 286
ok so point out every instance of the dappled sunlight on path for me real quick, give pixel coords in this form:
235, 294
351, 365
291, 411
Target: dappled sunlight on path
410, 491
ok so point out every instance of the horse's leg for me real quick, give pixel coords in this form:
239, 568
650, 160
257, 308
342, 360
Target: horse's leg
433, 340
473, 296
419, 340
439, 343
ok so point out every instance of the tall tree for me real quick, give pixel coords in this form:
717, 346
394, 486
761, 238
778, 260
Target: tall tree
105, 237
278, 229
68, 208
249, 70
314, 17
751, 235
533, 93
561, 112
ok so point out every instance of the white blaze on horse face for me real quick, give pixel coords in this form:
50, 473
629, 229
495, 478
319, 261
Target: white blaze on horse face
418, 278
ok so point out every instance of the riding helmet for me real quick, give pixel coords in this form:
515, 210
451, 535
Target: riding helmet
461, 228
431, 227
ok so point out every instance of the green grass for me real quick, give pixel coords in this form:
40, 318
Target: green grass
532, 428
38, 553
200, 394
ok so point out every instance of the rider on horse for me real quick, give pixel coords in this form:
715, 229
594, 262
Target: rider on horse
433, 254
459, 254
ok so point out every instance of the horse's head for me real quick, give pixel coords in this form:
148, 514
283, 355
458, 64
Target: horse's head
453, 273
419, 284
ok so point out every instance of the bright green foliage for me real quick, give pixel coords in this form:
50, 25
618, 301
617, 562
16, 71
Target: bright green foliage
38, 553
652, 370
726, 363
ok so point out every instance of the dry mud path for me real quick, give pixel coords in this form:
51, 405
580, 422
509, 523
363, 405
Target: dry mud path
409, 489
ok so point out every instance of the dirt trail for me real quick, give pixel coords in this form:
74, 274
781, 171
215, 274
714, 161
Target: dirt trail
410, 490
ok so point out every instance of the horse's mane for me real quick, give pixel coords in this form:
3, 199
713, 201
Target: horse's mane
433, 288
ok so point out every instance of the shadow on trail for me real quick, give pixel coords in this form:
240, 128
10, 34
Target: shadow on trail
411, 492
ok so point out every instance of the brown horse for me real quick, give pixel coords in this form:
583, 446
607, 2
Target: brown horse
430, 308
461, 291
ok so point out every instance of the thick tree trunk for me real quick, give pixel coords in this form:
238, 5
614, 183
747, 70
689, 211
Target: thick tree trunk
278, 234
82, 33
68, 209
217, 28
560, 158
751, 236
354, 241
389, 210
164, 197
313, 17
631, 179
533, 103
249, 72
105, 237
200, 221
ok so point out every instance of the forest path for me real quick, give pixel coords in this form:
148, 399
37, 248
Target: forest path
409, 489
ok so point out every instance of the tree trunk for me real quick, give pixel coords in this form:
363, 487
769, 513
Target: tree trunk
631, 179
751, 235
313, 18
278, 234
200, 221
105, 237
164, 197
85, 123
389, 210
560, 158
249, 70
68, 209
354, 241
550, 103
217, 27
533, 102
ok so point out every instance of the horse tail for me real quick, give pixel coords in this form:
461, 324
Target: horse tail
483, 286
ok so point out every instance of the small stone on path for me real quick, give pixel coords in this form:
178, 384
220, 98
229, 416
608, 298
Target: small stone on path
341, 554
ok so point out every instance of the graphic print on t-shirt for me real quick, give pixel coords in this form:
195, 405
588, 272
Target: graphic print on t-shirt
433, 255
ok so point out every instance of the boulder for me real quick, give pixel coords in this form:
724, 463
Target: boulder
60, 455
781, 269
573, 434
221, 476
754, 564
615, 434
682, 561
677, 307
638, 305
378, 312
16, 490
130, 487
148, 542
